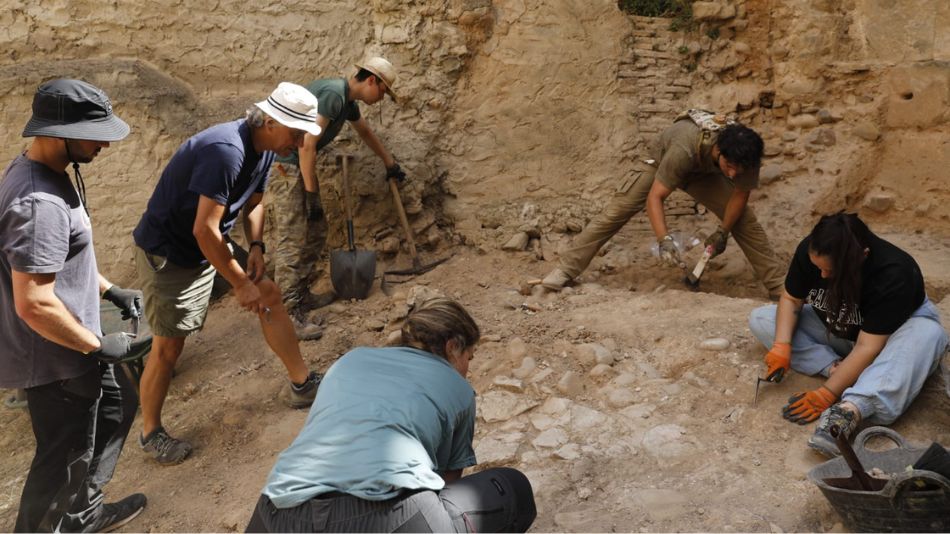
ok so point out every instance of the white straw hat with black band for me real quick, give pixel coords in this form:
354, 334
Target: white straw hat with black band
74, 109
293, 106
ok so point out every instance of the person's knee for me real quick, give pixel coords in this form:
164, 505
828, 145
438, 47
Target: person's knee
270, 293
165, 352
523, 496
762, 321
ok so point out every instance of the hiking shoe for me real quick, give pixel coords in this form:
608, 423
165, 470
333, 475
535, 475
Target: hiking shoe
822, 440
307, 331
165, 449
556, 280
118, 514
302, 396
311, 301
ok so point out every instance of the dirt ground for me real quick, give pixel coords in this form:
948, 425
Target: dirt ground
600, 394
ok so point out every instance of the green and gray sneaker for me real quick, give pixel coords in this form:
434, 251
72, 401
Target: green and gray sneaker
165, 449
303, 395
822, 440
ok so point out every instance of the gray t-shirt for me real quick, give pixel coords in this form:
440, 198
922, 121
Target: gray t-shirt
44, 230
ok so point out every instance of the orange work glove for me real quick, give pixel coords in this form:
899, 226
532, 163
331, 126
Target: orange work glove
779, 361
805, 407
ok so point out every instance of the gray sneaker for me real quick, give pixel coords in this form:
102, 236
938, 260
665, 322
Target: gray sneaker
118, 514
303, 395
165, 449
822, 440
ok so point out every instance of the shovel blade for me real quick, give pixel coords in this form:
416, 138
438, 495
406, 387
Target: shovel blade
352, 272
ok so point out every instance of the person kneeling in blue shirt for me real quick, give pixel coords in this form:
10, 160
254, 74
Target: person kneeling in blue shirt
386, 441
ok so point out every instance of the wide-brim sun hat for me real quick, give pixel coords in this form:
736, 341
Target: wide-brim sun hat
383, 70
293, 106
74, 109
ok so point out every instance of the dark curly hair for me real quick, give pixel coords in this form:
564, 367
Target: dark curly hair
741, 146
842, 238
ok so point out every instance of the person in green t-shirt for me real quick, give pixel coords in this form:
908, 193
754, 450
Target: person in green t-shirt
715, 163
301, 226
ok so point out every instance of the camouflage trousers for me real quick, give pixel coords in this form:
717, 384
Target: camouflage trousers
299, 240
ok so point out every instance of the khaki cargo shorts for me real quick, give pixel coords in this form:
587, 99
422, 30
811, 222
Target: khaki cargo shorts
176, 298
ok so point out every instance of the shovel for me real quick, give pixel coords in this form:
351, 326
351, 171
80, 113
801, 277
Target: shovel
351, 271
417, 265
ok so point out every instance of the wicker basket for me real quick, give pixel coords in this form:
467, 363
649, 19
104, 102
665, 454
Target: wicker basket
901, 506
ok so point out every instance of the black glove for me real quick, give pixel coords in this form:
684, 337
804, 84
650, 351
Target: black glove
314, 209
127, 300
113, 347
396, 172
718, 241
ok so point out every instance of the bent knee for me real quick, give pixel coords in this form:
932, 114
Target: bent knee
165, 350
270, 293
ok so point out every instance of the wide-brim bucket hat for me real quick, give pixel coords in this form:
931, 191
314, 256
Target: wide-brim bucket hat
383, 70
293, 106
74, 109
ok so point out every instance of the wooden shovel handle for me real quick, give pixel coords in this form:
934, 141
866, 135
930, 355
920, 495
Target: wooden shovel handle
397, 199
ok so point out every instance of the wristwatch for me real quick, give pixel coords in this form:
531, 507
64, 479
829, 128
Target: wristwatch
259, 244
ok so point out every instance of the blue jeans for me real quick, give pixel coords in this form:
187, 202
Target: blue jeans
893, 380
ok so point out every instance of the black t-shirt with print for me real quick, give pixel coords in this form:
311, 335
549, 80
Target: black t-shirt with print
892, 288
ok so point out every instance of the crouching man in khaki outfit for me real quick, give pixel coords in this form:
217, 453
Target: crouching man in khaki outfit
716, 163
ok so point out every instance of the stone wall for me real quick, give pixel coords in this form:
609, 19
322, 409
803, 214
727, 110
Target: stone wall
515, 112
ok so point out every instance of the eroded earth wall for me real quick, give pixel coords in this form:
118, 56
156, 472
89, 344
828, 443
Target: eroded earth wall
515, 112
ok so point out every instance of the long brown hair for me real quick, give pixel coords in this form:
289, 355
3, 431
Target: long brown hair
843, 239
437, 321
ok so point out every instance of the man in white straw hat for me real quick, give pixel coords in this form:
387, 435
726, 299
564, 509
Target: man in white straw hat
81, 409
295, 186
182, 242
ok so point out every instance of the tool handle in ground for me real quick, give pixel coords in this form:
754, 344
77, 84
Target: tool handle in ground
397, 200
697, 273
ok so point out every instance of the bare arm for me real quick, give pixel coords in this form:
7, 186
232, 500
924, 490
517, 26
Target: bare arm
367, 135
211, 242
786, 317
656, 196
734, 208
38, 306
104, 284
861, 356
253, 219
307, 154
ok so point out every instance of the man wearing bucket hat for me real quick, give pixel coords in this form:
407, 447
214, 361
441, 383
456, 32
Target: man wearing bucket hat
81, 409
296, 188
182, 242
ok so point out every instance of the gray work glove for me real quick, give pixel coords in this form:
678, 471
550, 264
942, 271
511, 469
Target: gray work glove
314, 209
669, 252
127, 300
718, 241
113, 347
396, 172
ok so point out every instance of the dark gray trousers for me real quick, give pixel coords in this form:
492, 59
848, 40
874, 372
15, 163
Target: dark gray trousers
80, 426
494, 500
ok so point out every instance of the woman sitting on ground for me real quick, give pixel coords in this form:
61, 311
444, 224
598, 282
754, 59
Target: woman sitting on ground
854, 310
386, 441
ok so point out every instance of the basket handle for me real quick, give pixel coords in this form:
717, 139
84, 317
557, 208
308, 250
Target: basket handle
862, 438
906, 481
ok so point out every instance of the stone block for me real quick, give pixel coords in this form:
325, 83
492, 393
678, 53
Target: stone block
879, 201
867, 131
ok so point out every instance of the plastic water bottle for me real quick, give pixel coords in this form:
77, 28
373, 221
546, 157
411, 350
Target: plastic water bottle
681, 240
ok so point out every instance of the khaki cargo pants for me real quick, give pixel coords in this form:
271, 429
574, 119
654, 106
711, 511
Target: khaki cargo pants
300, 241
710, 190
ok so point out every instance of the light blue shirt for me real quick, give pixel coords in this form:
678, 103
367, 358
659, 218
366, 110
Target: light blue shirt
385, 419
